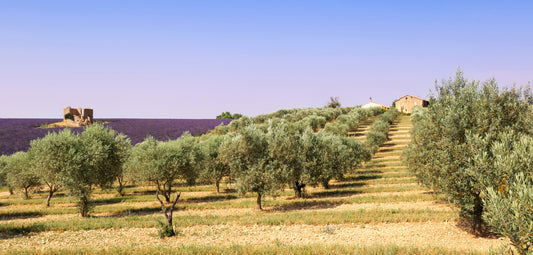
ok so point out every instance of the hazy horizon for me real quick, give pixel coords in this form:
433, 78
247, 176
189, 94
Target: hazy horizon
197, 59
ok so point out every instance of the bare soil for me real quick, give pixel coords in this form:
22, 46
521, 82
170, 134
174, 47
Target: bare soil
441, 234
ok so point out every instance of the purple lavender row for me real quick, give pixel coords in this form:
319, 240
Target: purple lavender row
16, 134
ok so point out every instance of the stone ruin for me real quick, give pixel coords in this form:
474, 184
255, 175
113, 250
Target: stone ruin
82, 117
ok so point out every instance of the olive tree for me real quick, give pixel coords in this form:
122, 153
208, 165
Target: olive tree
19, 174
315, 122
3, 170
284, 148
313, 151
162, 163
463, 121
378, 133
95, 161
247, 156
329, 156
214, 170
124, 147
50, 156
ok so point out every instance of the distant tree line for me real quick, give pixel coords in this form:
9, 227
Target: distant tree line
474, 144
228, 115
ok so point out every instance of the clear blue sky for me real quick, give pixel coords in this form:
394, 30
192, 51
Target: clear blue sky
195, 59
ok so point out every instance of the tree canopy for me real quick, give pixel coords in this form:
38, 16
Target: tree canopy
228, 115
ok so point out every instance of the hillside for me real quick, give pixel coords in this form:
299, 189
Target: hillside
378, 209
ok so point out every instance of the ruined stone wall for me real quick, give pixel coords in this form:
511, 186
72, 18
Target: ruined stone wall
82, 116
87, 114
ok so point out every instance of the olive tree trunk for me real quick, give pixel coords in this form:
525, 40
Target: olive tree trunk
167, 211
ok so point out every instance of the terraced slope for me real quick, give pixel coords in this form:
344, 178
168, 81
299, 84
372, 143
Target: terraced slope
380, 209
364, 127
391, 180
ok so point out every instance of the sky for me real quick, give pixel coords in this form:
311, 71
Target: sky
196, 59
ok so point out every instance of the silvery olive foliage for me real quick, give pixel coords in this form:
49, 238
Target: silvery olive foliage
378, 133
214, 171
123, 145
52, 155
3, 164
163, 163
450, 148
509, 211
285, 151
264, 161
247, 156
329, 156
96, 161
506, 171
77, 162
19, 175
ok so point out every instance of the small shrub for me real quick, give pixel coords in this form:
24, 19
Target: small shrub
328, 230
69, 116
165, 230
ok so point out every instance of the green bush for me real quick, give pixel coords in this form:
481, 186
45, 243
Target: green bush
165, 230
69, 116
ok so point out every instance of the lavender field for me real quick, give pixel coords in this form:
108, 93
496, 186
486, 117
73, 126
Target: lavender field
16, 134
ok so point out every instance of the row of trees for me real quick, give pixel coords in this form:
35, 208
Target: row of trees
259, 158
297, 114
474, 144
379, 132
77, 162
259, 161
333, 120
228, 115
265, 162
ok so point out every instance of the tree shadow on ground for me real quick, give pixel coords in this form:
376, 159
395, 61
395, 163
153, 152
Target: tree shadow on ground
467, 225
7, 232
375, 165
334, 193
109, 201
43, 194
304, 204
370, 171
363, 177
344, 185
141, 192
210, 198
19, 215
385, 150
136, 212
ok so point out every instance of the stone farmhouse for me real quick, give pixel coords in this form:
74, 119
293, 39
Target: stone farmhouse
374, 104
82, 117
406, 103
